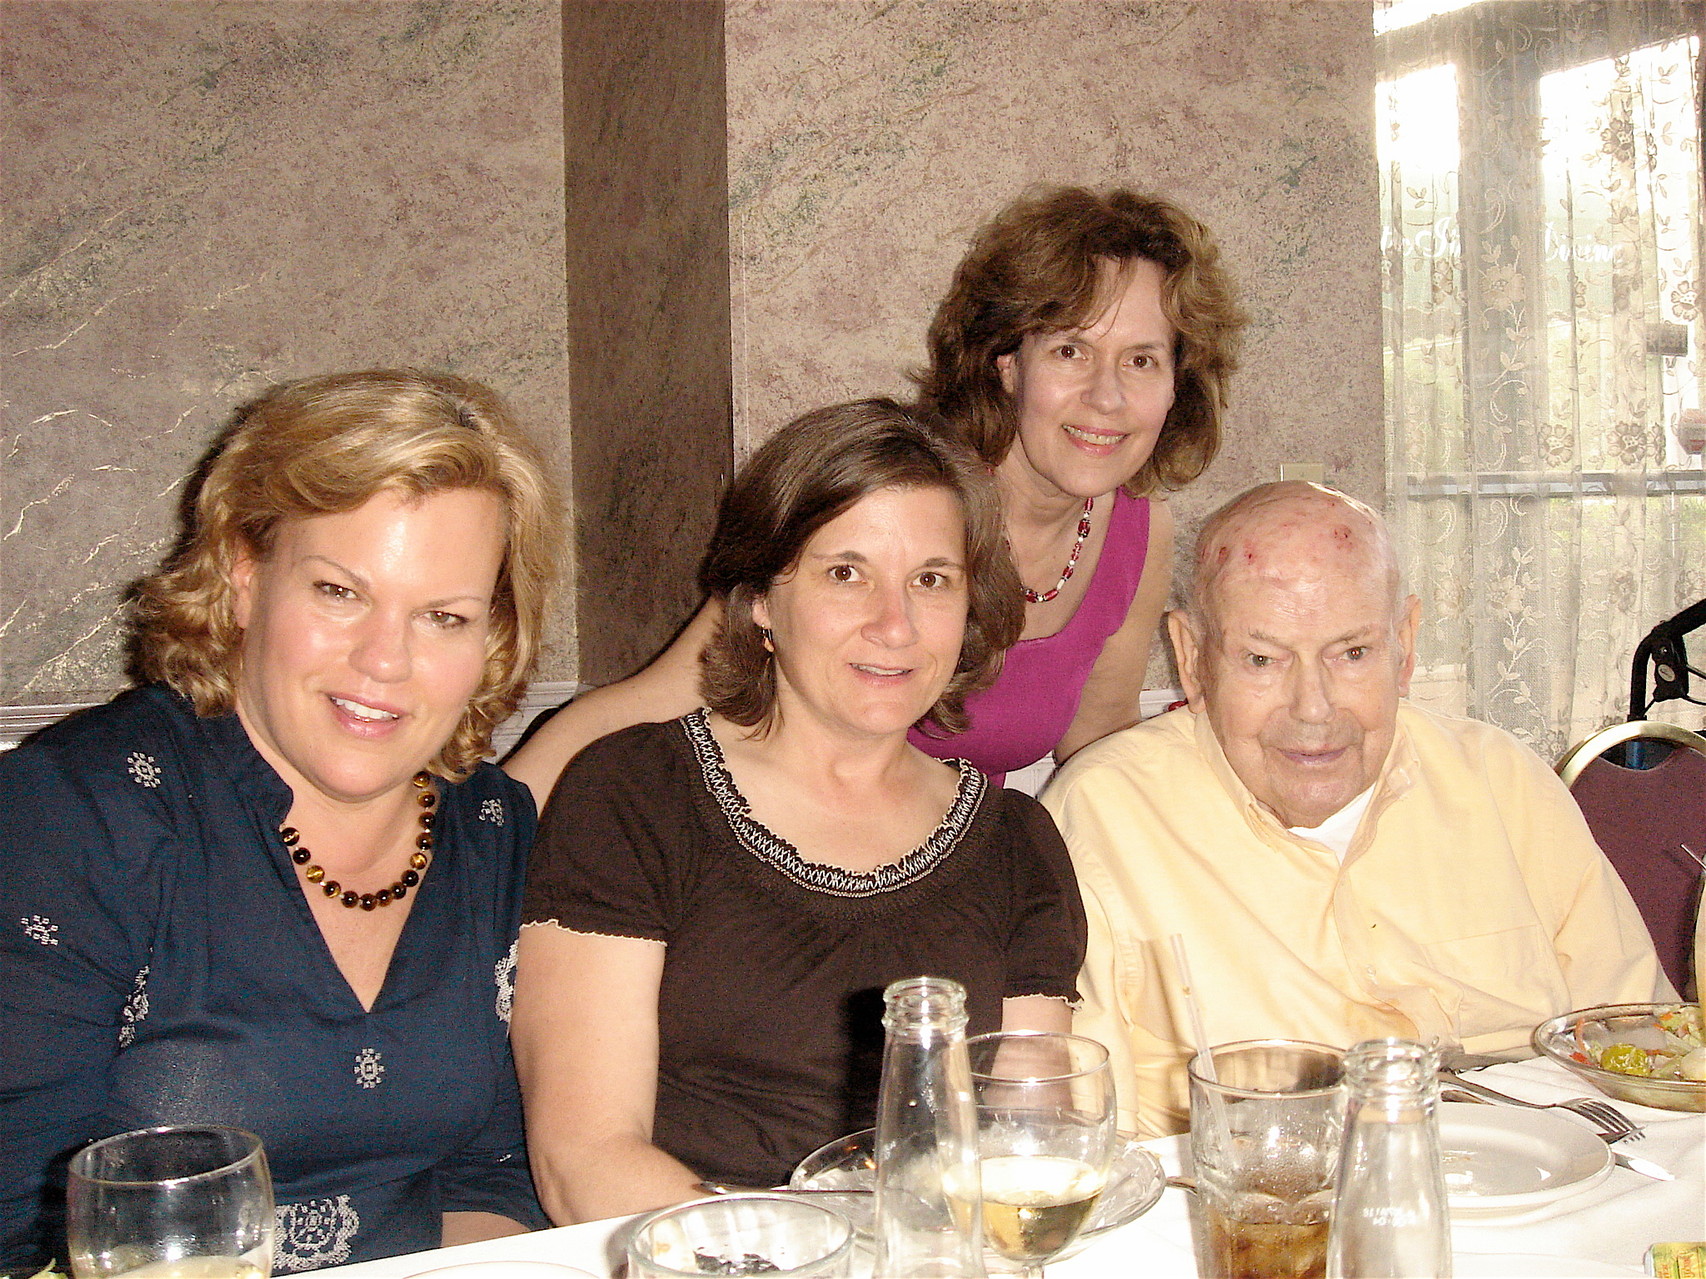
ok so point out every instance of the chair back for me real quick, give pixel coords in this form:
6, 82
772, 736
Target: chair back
1641, 816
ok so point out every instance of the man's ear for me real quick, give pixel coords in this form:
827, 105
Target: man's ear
1412, 617
1187, 655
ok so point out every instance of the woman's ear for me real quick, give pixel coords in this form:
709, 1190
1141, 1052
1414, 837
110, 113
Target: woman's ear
243, 569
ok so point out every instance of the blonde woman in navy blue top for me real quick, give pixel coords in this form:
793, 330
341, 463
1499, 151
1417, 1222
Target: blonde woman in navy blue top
276, 887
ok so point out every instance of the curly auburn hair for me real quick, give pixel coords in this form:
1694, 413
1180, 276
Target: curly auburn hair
808, 473
324, 446
1036, 267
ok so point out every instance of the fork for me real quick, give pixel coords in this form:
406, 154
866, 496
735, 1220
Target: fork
1616, 1125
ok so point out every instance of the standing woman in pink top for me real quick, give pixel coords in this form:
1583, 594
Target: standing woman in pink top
1083, 352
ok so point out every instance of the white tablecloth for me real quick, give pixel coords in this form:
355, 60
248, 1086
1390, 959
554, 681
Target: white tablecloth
1610, 1225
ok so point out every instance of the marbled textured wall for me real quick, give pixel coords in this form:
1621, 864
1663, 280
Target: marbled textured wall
868, 139
202, 198
205, 197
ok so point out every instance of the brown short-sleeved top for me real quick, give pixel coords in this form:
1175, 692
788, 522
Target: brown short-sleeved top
770, 1009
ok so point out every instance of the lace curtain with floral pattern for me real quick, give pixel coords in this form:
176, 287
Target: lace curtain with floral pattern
1541, 194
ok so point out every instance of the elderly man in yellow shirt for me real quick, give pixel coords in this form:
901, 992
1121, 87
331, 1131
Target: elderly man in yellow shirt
1341, 865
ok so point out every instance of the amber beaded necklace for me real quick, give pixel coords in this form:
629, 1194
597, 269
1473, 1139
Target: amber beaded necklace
419, 860
1071, 560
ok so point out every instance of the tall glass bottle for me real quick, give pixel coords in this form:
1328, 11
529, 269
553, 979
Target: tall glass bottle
929, 1210
1389, 1214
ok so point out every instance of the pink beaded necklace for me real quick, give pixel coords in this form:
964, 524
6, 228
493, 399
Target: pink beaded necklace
1071, 560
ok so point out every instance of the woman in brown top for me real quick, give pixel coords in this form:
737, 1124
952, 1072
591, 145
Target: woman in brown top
716, 903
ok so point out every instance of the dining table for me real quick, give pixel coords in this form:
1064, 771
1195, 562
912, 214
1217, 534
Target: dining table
1605, 1228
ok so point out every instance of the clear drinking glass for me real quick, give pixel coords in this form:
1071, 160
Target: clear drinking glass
190, 1202
750, 1234
1265, 1142
1045, 1139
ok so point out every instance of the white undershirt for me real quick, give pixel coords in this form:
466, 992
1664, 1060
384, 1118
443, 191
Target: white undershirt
1339, 829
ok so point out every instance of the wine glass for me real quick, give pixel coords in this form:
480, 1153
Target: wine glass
1045, 1121
189, 1202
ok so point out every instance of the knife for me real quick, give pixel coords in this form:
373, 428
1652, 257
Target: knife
1634, 1163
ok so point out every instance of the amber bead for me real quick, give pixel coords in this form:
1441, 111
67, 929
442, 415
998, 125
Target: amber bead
419, 860
288, 835
314, 874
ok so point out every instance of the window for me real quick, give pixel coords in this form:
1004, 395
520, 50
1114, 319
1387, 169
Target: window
1541, 200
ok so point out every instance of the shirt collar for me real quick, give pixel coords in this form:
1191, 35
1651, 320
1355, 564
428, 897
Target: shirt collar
228, 743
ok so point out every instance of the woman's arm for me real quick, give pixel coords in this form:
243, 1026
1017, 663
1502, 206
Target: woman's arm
585, 1032
1036, 1012
1111, 694
669, 687
471, 1227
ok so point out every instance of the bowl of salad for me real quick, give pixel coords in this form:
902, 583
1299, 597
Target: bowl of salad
1649, 1054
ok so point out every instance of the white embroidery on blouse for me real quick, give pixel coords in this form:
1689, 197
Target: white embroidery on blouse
505, 972
40, 928
135, 1010
369, 1070
145, 769
492, 811
782, 856
314, 1233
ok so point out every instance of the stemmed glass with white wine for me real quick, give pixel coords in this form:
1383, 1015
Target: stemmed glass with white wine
188, 1202
1045, 1119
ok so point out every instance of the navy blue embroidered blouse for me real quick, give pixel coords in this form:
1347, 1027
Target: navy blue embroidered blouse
159, 964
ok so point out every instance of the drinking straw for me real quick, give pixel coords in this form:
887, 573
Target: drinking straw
1197, 1032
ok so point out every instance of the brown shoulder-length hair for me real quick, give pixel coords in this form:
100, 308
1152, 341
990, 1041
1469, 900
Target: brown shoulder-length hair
326, 445
808, 473
1036, 268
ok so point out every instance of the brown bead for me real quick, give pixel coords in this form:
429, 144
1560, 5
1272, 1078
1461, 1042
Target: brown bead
351, 899
367, 901
428, 798
300, 855
419, 860
314, 874
399, 890
423, 841
288, 835
331, 888
383, 896
427, 820
409, 880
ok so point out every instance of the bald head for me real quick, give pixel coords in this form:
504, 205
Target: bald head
1287, 529
1296, 646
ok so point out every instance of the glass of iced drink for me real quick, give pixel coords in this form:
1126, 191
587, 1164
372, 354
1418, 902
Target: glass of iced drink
183, 1202
1265, 1141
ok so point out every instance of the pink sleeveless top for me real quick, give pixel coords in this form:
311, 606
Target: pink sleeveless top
1024, 714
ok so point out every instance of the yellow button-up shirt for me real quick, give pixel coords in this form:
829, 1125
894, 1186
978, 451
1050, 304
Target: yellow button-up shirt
1471, 904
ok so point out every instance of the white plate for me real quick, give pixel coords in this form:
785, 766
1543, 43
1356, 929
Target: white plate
504, 1270
1527, 1265
1500, 1159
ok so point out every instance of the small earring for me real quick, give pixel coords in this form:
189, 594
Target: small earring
769, 639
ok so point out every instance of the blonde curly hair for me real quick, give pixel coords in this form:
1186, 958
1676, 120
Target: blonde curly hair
326, 445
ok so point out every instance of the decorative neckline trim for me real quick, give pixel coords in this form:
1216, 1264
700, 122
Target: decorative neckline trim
781, 856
